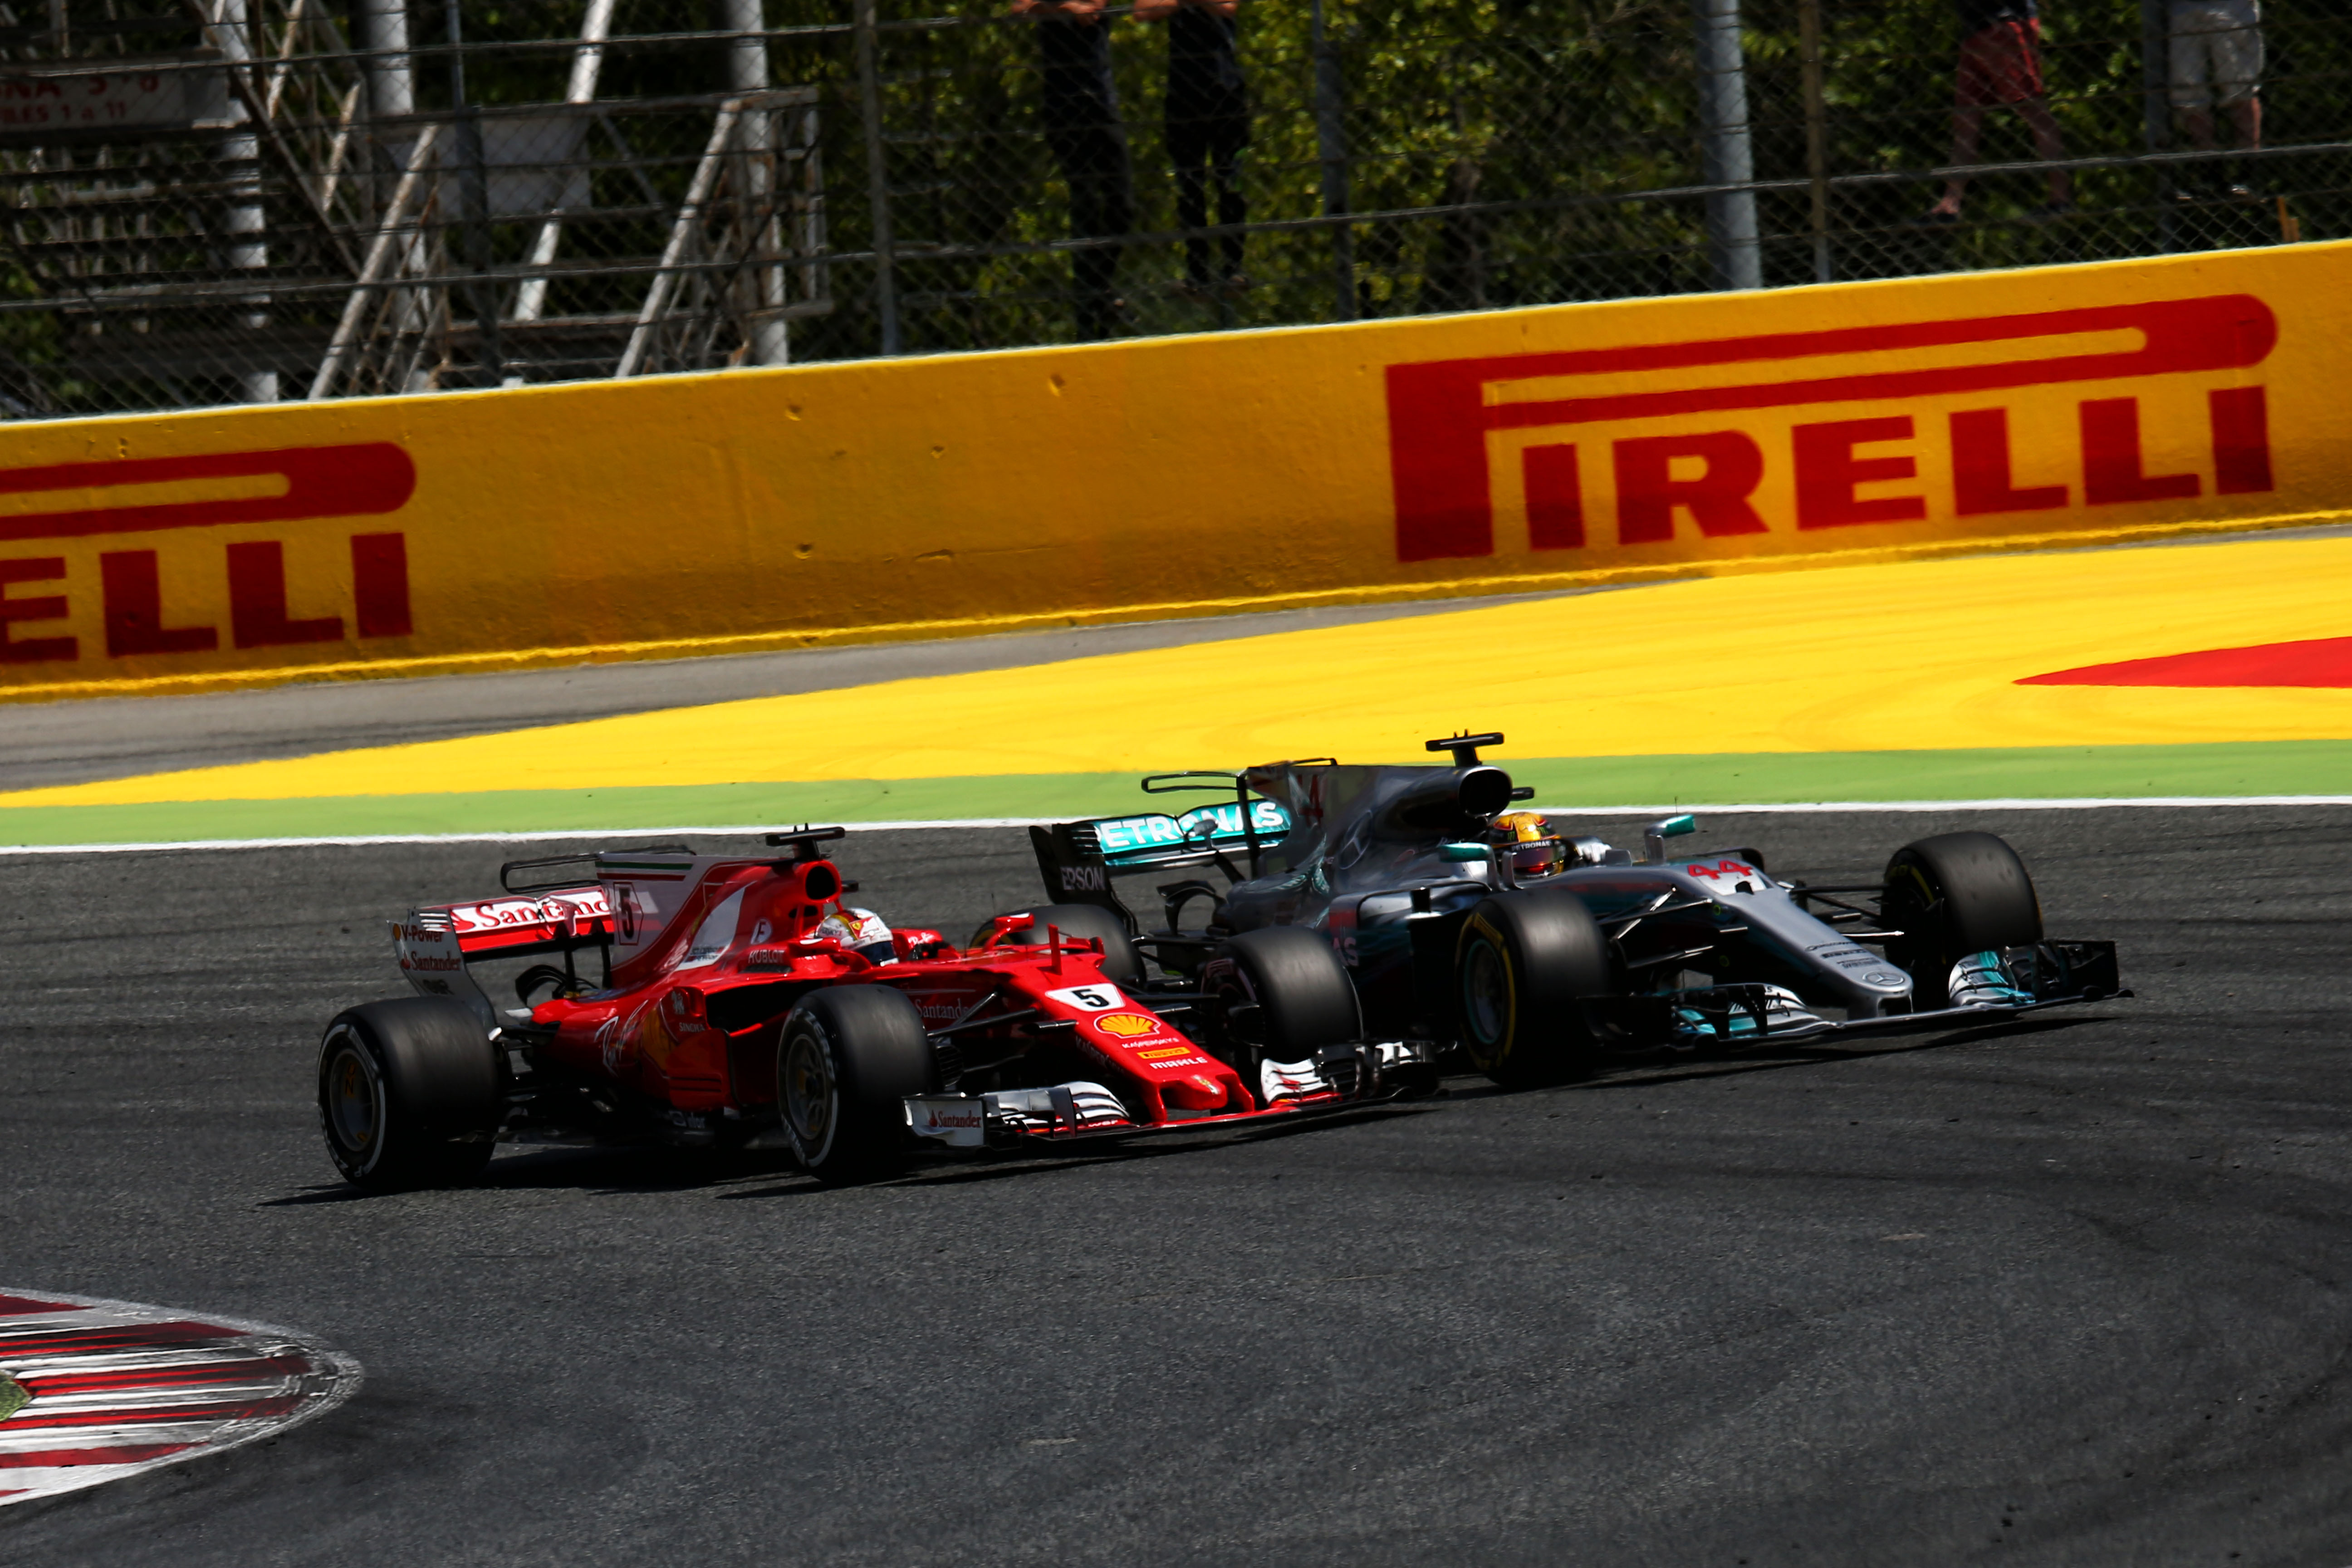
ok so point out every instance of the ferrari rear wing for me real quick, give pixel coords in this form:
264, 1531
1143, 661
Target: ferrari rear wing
516, 927
435, 943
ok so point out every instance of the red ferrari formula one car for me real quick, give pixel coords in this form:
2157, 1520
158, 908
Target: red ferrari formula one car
743, 1004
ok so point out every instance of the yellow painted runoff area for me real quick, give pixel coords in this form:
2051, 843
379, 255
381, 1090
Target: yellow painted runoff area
1612, 442
1921, 655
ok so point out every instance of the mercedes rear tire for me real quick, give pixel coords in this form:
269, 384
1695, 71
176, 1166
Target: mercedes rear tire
1121, 964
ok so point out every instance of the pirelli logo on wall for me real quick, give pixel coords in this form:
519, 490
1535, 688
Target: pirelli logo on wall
214, 593
770, 508
1996, 417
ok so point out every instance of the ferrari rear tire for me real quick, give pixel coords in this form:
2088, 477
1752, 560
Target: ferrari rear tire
1950, 896
1520, 965
409, 1094
1278, 994
1121, 964
846, 1060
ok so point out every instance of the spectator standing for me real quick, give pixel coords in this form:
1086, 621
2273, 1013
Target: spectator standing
2000, 66
2217, 51
1208, 125
1082, 126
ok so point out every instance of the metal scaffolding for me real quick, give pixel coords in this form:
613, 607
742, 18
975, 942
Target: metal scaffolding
270, 211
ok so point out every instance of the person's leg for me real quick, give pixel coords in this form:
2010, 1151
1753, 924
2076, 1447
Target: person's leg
2238, 68
1972, 88
2247, 114
2191, 99
1072, 141
1233, 207
1968, 125
1188, 149
2249, 123
1100, 204
2049, 146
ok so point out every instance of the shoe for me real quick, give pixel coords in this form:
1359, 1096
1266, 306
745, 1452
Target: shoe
1196, 290
1239, 283
2242, 193
2051, 211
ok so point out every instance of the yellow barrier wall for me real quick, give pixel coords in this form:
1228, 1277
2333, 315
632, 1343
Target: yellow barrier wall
1436, 455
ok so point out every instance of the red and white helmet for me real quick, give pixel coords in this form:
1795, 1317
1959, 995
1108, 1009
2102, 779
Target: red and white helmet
863, 932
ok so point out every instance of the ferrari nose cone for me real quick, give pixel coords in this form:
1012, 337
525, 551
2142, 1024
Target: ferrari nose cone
1196, 1094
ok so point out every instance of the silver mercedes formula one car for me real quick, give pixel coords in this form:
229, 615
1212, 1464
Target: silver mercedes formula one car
1466, 924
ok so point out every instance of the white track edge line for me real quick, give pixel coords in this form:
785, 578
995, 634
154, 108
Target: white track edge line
2082, 803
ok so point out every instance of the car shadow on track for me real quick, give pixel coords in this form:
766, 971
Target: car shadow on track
1796, 1057
1004, 1166
642, 1169
612, 1172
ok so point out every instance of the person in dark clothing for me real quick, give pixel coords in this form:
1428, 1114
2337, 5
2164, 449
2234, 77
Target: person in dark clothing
1082, 127
1208, 126
2001, 63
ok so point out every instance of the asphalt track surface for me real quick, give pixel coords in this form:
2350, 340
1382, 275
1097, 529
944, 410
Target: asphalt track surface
2076, 1295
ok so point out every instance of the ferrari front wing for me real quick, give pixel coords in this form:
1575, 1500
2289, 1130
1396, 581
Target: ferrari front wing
1334, 1079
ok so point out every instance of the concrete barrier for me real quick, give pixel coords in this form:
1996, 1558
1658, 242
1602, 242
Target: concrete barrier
1512, 450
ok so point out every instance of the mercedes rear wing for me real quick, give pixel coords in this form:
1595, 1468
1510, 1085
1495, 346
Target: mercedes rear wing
1079, 860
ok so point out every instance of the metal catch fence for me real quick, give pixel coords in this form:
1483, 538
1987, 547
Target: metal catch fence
257, 200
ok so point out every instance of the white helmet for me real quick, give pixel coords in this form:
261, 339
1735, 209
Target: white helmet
863, 932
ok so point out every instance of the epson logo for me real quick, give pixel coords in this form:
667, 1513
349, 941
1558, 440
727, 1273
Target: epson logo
1085, 880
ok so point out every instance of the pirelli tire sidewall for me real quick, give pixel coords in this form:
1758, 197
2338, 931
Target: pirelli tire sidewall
409, 1093
1952, 895
1298, 995
1521, 964
846, 1058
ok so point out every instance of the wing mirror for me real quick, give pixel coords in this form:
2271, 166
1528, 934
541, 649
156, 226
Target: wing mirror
1655, 837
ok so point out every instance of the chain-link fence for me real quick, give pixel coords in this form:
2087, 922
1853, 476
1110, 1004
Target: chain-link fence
251, 200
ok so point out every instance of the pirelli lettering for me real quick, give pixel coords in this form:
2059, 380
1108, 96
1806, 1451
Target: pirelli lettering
1837, 428
222, 490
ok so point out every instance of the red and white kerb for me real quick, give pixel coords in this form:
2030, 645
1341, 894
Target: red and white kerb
91, 1391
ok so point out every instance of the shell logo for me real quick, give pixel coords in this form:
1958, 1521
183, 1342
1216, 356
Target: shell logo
1128, 1026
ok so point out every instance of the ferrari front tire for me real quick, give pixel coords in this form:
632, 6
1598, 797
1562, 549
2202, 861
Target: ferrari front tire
408, 1094
846, 1060
1521, 965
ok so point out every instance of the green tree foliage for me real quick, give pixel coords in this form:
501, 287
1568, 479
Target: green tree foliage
1498, 153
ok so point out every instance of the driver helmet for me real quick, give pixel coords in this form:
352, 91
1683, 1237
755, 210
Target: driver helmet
863, 932
1534, 847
